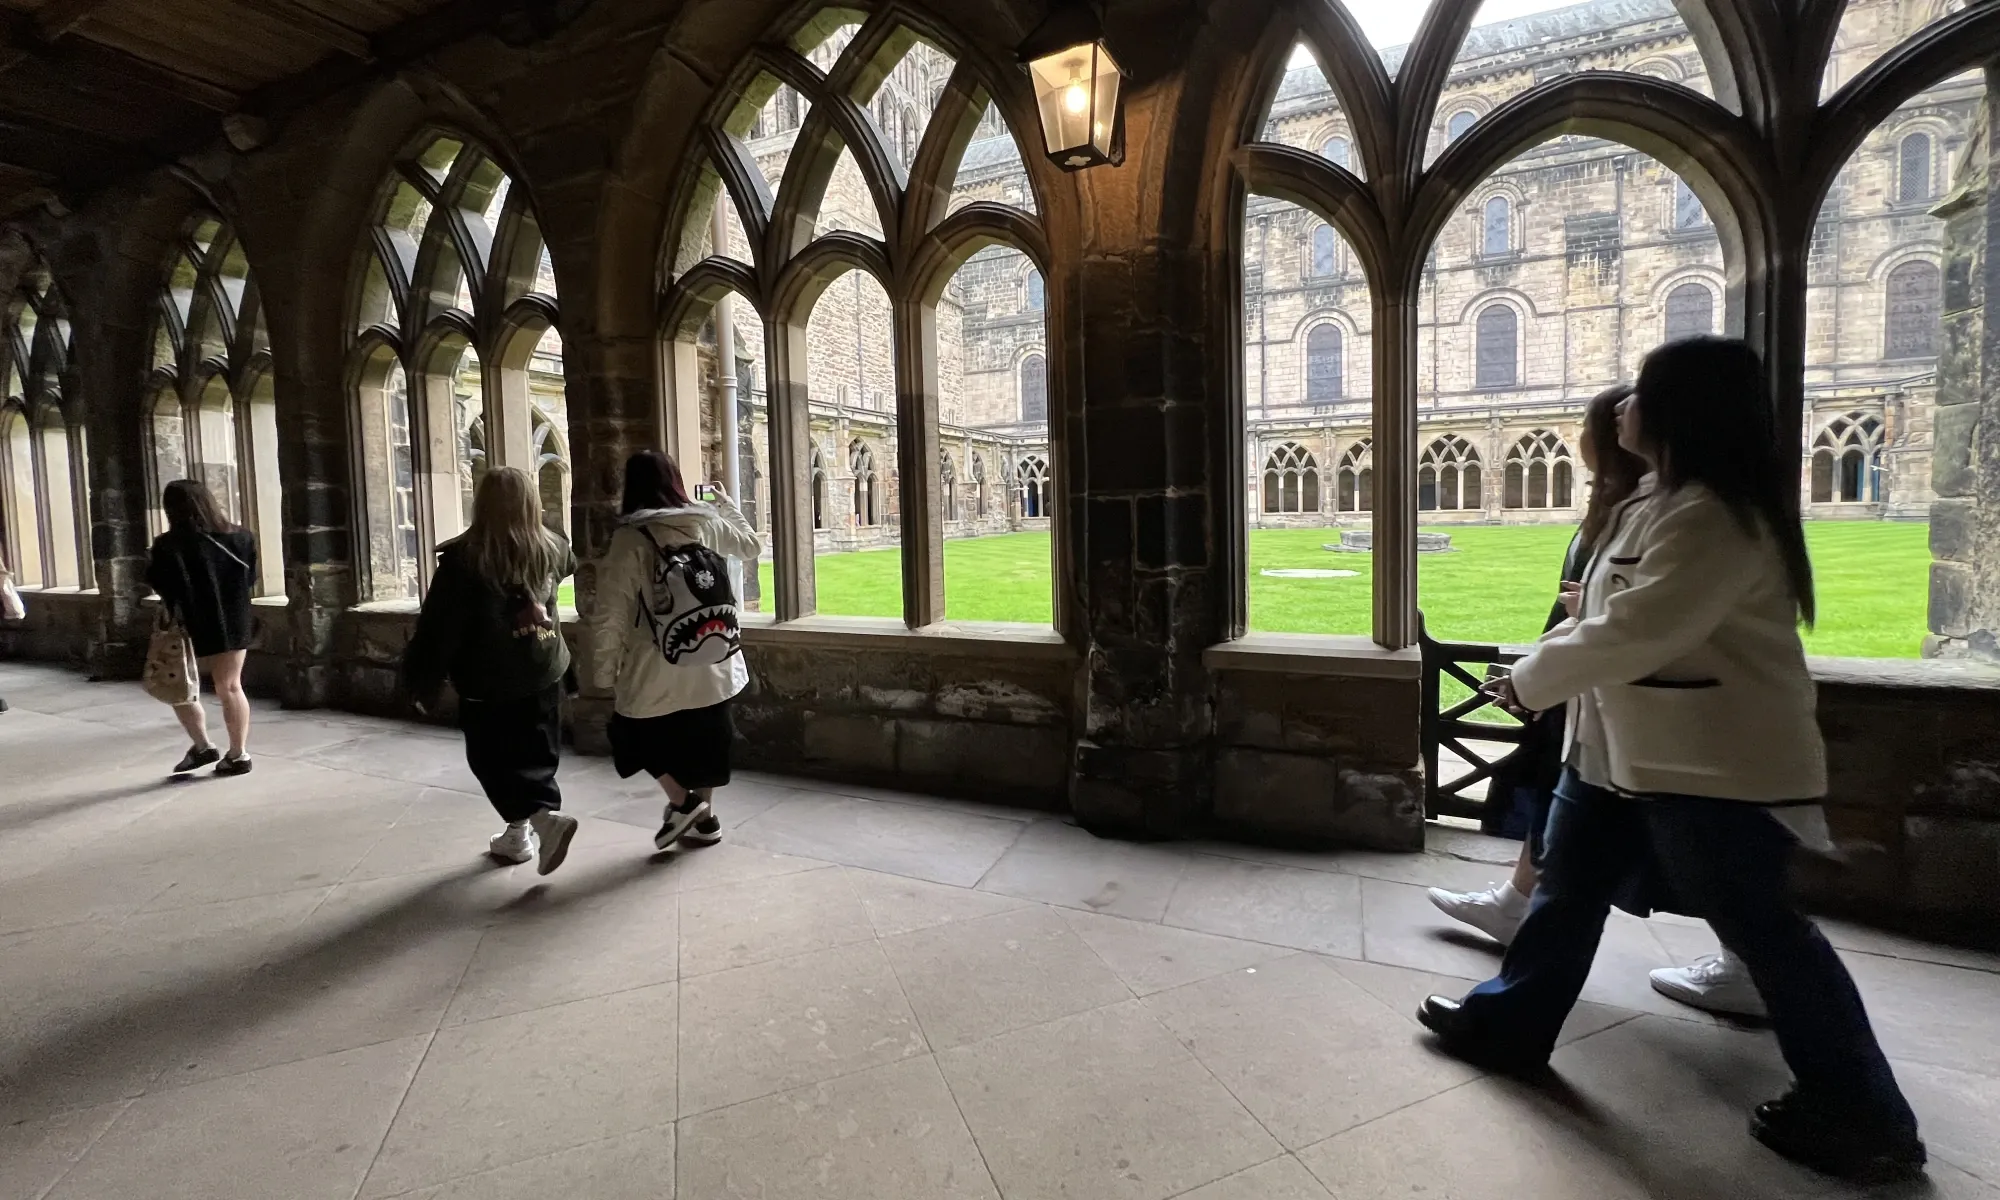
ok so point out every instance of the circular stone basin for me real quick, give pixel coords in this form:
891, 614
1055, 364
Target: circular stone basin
1307, 573
1361, 541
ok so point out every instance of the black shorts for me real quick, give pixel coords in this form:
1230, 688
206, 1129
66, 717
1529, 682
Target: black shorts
692, 746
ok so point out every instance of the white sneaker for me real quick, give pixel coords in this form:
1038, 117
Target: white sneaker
514, 845
557, 830
1496, 912
1718, 983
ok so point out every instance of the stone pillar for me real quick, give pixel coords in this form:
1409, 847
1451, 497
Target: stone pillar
1965, 459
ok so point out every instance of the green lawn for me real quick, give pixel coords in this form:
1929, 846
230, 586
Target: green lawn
1496, 586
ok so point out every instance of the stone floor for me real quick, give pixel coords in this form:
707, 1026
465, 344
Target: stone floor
308, 983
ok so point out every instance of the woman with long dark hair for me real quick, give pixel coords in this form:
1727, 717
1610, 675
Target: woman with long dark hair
664, 640
203, 568
489, 624
1694, 746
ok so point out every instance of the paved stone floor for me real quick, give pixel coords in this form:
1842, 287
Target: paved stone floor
308, 983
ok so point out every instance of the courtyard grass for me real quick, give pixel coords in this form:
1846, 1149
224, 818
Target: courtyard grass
1496, 585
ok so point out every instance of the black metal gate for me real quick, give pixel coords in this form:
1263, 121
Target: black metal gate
1451, 728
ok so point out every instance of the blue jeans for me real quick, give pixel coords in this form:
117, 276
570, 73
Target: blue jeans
1724, 861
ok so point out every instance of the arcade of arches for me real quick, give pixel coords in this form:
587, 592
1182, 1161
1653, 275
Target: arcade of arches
818, 253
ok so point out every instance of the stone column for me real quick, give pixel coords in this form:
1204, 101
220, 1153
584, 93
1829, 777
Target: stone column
1965, 459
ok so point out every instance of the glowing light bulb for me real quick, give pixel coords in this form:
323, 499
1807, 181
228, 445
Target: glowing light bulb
1075, 98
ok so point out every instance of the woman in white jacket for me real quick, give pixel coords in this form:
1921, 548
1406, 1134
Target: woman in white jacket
1693, 749
664, 641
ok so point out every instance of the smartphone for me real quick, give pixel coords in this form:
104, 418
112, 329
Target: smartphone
706, 493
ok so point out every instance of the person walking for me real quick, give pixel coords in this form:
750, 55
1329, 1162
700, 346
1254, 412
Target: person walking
490, 625
11, 606
1694, 744
1717, 983
203, 568
664, 641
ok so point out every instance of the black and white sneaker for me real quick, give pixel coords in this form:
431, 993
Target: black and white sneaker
705, 832
233, 765
676, 823
197, 758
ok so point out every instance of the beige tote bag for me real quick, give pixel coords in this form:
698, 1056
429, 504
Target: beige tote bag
170, 670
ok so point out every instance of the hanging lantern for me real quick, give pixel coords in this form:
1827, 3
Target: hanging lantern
1077, 87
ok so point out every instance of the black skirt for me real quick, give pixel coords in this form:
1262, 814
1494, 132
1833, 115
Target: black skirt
691, 746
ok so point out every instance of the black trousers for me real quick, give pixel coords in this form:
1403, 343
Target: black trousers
513, 747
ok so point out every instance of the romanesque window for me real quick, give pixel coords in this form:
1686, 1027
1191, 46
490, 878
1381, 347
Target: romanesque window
43, 499
1688, 210
854, 338
1325, 252
1914, 299
1031, 479
1540, 473
861, 465
1448, 476
1460, 121
213, 415
1690, 311
453, 344
1847, 461
1497, 228
1338, 151
1324, 346
1913, 176
1034, 389
1498, 332
948, 485
1354, 483
1291, 480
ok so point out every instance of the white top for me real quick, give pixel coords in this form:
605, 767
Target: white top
1684, 672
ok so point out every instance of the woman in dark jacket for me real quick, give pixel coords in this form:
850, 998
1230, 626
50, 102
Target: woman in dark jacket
203, 568
489, 625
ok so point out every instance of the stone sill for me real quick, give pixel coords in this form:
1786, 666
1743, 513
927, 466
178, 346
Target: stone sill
270, 602
411, 607
27, 590
887, 633
1314, 654
1907, 674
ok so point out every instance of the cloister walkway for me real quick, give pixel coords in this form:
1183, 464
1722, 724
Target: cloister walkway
309, 983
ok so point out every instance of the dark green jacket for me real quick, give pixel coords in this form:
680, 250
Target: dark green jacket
492, 644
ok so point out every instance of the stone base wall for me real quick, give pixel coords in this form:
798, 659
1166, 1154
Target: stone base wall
61, 626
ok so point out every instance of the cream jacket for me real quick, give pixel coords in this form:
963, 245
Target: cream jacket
1685, 671
623, 656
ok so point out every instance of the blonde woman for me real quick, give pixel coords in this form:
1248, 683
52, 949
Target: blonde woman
489, 625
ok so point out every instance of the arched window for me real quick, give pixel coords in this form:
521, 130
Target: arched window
1497, 229
1690, 311
1541, 473
1355, 486
44, 492
1498, 334
1034, 389
1914, 301
818, 488
948, 485
1325, 252
1291, 480
1913, 178
463, 350
1688, 210
1031, 480
1037, 292
861, 465
1448, 476
1461, 121
1339, 152
1847, 461
1324, 345
214, 415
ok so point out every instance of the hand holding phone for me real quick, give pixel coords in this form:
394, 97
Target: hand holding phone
1572, 599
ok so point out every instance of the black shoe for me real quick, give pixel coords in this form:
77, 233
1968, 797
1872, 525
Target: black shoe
1834, 1140
197, 758
3, 704
677, 822
705, 832
1457, 1037
233, 766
